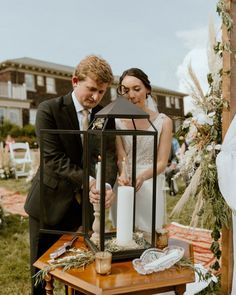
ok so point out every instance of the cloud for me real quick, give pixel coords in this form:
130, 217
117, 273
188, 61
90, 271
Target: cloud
196, 41
193, 38
198, 59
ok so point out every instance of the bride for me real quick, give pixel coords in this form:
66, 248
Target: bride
135, 86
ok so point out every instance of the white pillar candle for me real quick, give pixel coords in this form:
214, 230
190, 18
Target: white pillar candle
98, 174
125, 205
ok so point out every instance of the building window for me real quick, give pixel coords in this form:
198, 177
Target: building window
177, 104
29, 81
168, 104
14, 116
113, 94
178, 124
172, 101
32, 116
40, 81
50, 85
2, 115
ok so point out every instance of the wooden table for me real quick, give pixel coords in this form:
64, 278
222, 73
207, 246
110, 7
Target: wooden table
123, 278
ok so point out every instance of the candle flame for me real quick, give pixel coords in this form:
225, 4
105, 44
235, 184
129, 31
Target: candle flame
99, 158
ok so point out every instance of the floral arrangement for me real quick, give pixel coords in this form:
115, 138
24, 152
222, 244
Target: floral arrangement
204, 136
6, 171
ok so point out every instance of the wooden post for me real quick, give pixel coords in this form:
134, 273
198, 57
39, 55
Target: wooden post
229, 93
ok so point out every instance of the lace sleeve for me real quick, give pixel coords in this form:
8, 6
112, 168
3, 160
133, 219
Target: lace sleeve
118, 124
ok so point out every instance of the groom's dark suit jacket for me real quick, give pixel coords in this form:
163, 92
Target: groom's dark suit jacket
63, 168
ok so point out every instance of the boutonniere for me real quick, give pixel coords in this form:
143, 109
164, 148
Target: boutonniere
98, 123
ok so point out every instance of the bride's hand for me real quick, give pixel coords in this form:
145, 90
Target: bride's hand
139, 182
123, 180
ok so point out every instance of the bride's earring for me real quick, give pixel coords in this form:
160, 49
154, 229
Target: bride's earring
146, 101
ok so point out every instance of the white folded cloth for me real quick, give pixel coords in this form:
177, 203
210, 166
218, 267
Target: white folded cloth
197, 286
173, 255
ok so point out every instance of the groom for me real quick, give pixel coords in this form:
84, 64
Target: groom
63, 154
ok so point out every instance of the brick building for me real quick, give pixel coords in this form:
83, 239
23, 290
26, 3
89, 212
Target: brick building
25, 82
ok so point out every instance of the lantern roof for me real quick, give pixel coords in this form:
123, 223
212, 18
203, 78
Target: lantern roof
121, 108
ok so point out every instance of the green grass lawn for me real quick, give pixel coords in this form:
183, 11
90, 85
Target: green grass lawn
14, 249
14, 256
15, 185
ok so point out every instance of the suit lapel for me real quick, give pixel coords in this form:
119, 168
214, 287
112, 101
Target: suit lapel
71, 112
94, 111
71, 117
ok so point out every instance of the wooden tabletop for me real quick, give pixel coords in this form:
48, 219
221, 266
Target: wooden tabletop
123, 278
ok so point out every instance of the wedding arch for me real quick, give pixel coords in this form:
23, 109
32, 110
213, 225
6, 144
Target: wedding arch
205, 132
229, 94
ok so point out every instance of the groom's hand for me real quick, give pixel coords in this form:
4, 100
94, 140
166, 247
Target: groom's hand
110, 196
94, 196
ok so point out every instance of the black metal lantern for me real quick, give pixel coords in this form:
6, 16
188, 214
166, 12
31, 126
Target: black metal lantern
120, 108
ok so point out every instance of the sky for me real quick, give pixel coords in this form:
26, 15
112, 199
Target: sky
158, 36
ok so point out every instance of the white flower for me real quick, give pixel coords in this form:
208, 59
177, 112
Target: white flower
211, 115
198, 158
186, 123
191, 134
218, 147
209, 148
203, 119
98, 124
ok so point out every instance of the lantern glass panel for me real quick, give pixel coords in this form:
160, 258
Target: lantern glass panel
110, 230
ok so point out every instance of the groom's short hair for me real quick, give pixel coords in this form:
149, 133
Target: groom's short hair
94, 67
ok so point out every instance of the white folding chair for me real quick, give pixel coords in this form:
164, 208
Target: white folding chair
20, 158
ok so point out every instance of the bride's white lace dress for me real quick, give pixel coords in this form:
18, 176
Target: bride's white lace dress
143, 208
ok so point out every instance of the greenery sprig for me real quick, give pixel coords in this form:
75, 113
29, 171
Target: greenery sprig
227, 20
202, 275
76, 258
186, 262
223, 12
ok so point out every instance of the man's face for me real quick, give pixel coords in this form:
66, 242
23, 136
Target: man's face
89, 92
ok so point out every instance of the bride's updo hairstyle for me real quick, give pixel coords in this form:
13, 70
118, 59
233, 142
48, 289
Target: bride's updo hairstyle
137, 73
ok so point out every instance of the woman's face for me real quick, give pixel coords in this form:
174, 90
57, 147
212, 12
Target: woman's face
134, 90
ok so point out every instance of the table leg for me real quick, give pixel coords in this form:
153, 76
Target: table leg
180, 289
70, 291
49, 284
